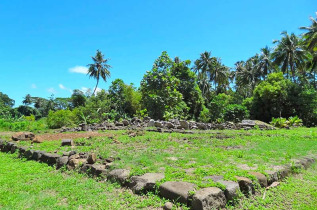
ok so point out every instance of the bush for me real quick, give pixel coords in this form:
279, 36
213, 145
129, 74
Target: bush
281, 122
60, 118
235, 113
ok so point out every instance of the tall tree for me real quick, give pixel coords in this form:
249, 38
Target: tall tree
265, 64
99, 68
289, 54
311, 35
27, 99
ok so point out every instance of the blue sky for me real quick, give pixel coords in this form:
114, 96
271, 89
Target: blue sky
42, 41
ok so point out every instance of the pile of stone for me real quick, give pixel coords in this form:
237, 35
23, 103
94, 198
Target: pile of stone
172, 125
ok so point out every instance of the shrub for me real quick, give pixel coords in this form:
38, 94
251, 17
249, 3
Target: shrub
235, 113
60, 118
281, 122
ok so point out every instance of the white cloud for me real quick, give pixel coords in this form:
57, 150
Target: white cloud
79, 69
33, 86
61, 86
90, 91
52, 90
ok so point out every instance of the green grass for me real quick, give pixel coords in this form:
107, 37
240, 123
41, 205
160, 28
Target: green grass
190, 157
296, 192
32, 185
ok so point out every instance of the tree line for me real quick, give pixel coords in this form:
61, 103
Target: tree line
276, 82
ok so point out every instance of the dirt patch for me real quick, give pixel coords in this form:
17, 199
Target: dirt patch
59, 136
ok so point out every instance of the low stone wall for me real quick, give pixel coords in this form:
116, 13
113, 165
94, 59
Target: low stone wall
169, 126
205, 198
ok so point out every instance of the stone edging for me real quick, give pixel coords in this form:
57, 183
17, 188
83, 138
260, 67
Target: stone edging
205, 198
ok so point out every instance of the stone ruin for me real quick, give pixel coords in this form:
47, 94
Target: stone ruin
168, 126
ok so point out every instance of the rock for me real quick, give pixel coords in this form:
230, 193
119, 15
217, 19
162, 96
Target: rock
75, 163
67, 142
37, 155
125, 122
272, 176
214, 178
92, 158
178, 191
245, 185
151, 123
201, 126
232, 189
158, 124
49, 158
8, 146
119, 175
261, 178
146, 119
170, 125
249, 123
2, 145
145, 182
22, 151
23, 136
209, 198
28, 154
168, 206
283, 171
98, 170
62, 161
37, 140
74, 156
274, 184
118, 124
14, 147
184, 124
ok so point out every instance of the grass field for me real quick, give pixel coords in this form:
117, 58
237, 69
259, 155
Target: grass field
296, 192
32, 185
191, 157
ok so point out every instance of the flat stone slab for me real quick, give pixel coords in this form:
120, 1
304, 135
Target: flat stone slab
232, 189
177, 191
214, 178
145, 182
209, 198
67, 142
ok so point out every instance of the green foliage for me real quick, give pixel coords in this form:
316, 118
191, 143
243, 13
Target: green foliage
204, 115
217, 106
22, 124
60, 118
270, 97
159, 91
235, 113
283, 122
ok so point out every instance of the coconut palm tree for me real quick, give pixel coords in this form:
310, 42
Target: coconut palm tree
289, 54
219, 74
27, 100
99, 68
311, 35
265, 64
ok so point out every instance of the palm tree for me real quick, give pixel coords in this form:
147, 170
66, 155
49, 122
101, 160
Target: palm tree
265, 64
311, 34
289, 54
99, 68
219, 73
27, 100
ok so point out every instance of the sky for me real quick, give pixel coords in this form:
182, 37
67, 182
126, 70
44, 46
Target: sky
45, 46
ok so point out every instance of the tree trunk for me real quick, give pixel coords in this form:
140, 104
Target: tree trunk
96, 87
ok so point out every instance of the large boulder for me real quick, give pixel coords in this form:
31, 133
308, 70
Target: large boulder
178, 191
125, 122
151, 123
246, 186
62, 161
158, 124
184, 124
119, 175
260, 177
23, 136
145, 182
209, 198
232, 189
